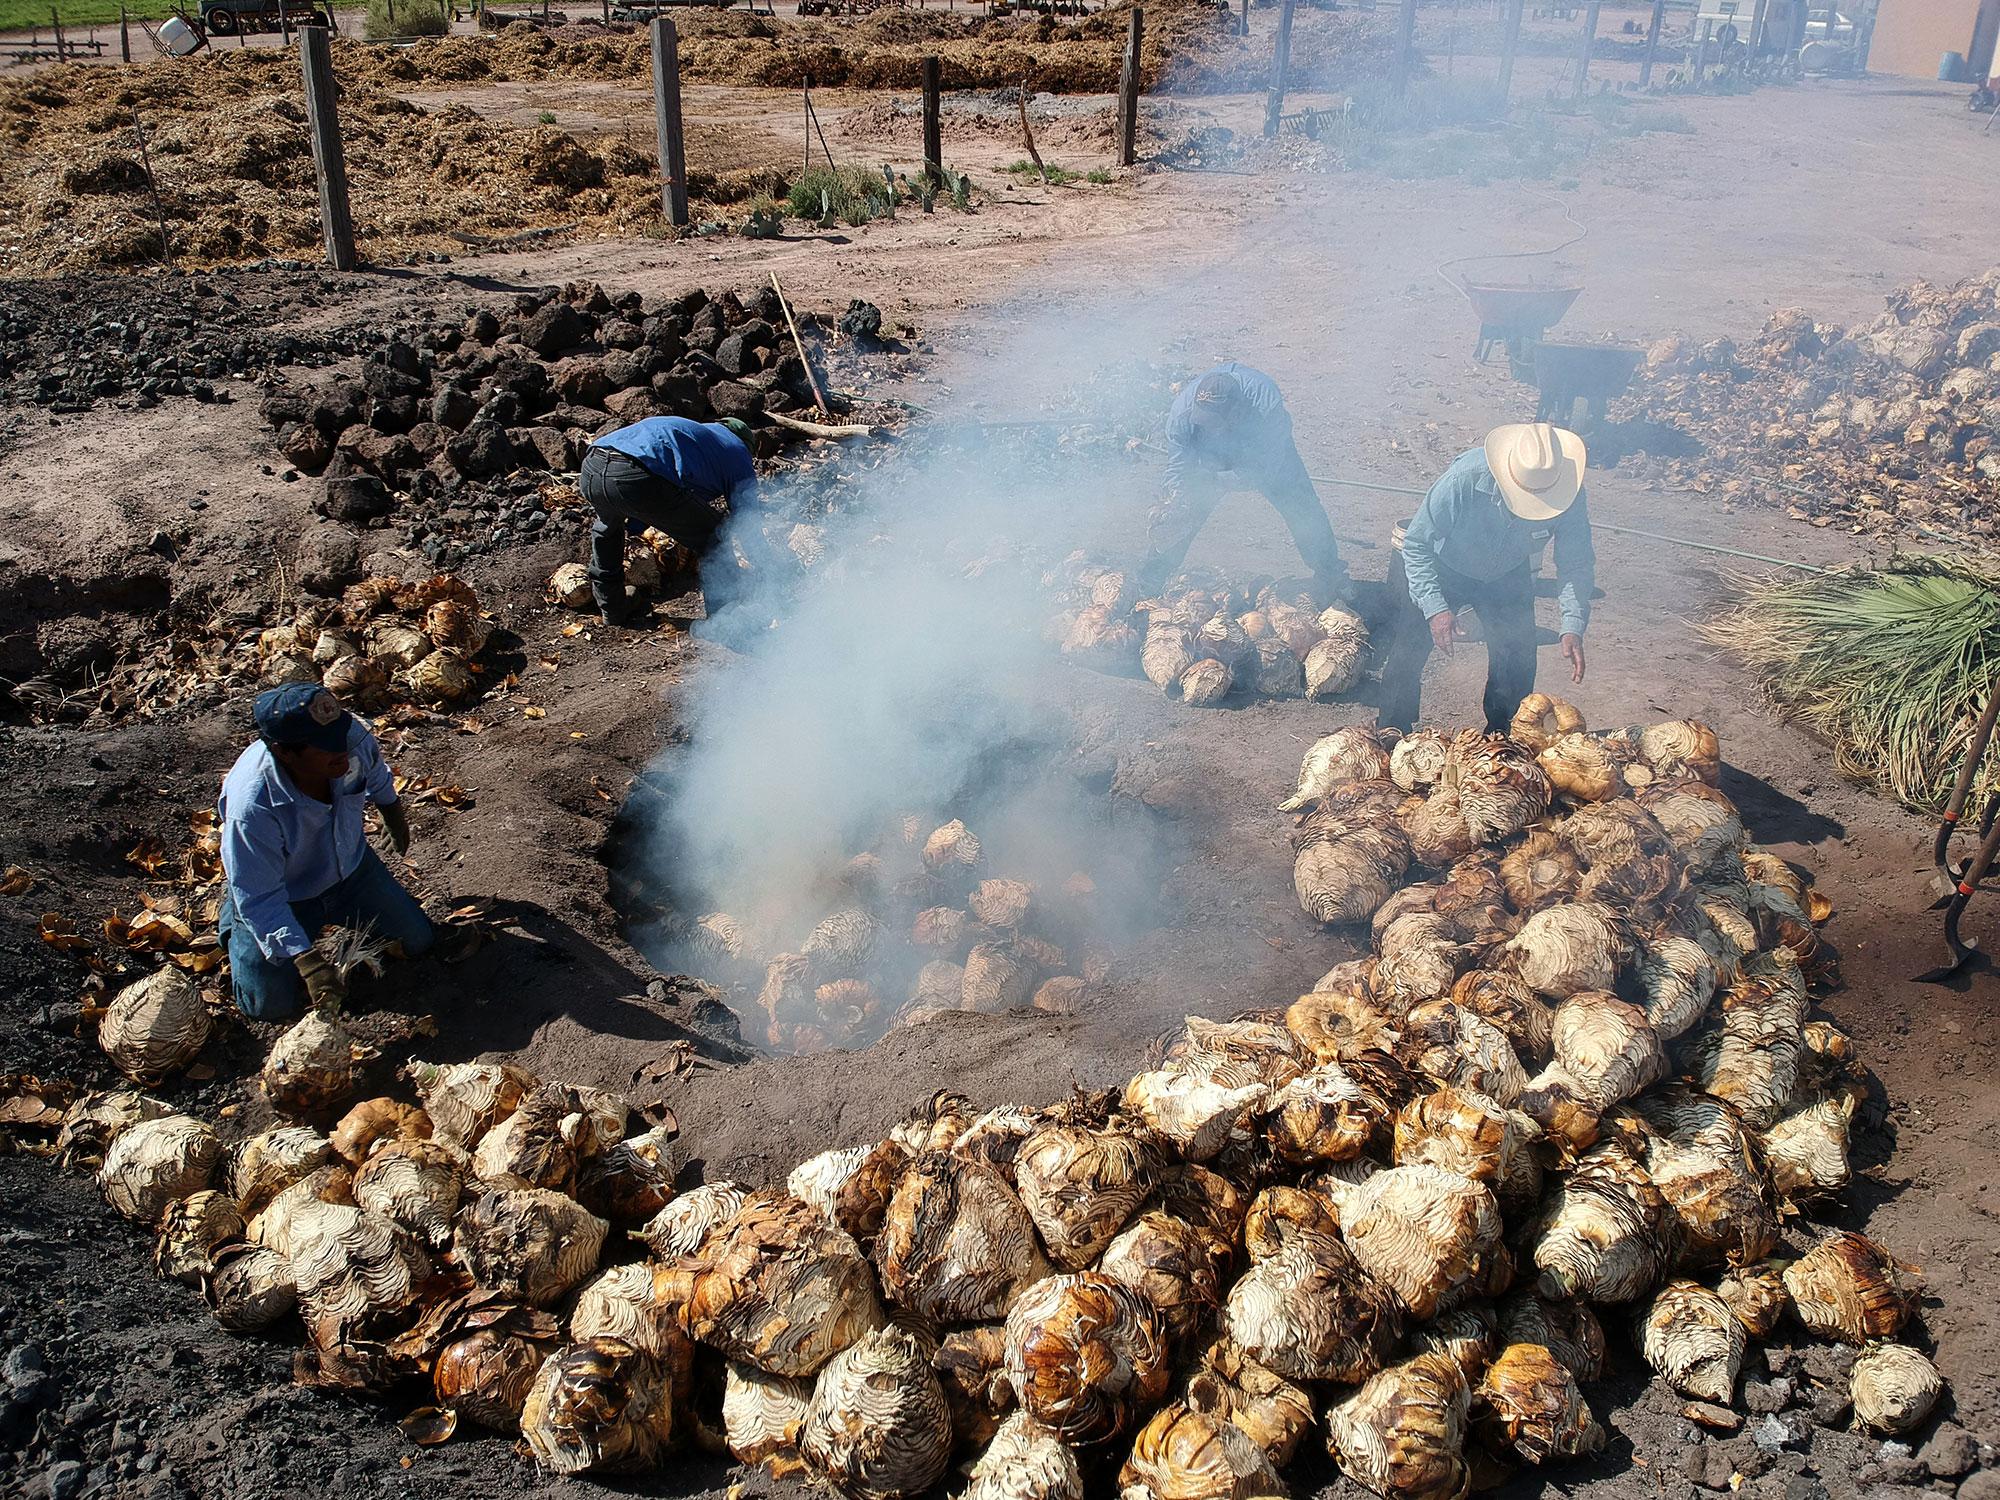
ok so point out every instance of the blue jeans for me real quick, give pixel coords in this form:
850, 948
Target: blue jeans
269, 989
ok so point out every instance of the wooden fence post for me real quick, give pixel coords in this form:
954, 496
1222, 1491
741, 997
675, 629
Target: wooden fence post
933, 124
1243, 27
667, 119
1406, 41
1701, 50
124, 34
1508, 45
62, 51
1583, 48
1128, 93
1281, 57
1652, 43
329, 159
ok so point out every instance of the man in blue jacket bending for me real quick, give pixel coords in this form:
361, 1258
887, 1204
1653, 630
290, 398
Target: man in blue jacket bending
679, 475
1475, 543
1233, 420
295, 857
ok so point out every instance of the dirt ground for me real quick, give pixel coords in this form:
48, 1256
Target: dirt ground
1825, 195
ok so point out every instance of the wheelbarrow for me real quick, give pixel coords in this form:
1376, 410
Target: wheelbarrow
1955, 883
1515, 315
1591, 373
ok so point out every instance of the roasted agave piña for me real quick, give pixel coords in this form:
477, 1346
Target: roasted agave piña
1087, 1355
1894, 1388
599, 1407
1025, 1461
956, 1244
1529, 1401
1081, 1176
1850, 1288
1186, 1454
1689, 1335
761, 1418
154, 1027
481, 1351
153, 1162
1402, 1434
877, 1426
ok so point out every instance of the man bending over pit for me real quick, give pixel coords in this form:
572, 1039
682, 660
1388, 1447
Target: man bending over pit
1233, 420
295, 857
678, 475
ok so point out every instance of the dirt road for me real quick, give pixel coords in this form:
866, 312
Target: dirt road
1825, 196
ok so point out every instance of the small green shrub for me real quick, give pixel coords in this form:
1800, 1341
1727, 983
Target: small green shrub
412, 18
1099, 175
1057, 176
546, 117
849, 195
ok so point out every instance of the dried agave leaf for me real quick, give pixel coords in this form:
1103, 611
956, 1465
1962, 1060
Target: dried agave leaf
956, 1244
877, 1426
1894, 1388
1086, 1356
1504, 1000
1312, 1312
530, 1243
778, 1287
1542, 718
1689, 1335
1568, 1330
1081, 1183
1530, 1403
1607, 1047
1848, 1287
1402, 1434
1757, 1296
1273, 1412
1606, 1235
1186, 1454
154, 1027
600, 1407
311, 1069
429, 1426
152, 1162
684, 1226
1196, 1113
1025, 1461
1422, 1231
373, 1122
761, 1418
1350, 754
1174, 1265
190, 1230
1417, 760
266, 1164
1580, 945
1678, 978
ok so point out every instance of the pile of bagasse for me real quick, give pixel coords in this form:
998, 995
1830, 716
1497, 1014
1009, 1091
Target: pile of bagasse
1566, 1099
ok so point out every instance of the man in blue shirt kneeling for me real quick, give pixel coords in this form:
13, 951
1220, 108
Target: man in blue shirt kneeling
295, 857
1474, 543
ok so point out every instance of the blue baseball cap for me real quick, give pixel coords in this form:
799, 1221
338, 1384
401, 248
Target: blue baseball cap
302, 713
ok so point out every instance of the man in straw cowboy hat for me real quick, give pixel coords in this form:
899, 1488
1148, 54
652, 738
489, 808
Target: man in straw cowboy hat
1233, 420
1475, 543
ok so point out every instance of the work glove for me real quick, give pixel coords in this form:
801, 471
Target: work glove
324, 986
397, 822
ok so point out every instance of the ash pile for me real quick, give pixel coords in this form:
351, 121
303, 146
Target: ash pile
455, 430
1572, 1097
1889, 425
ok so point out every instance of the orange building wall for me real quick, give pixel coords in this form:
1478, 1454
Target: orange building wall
1911, 35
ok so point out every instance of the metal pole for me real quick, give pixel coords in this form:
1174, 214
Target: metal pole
1244, 26
329, 159
1281, 56
1701, 50
1652, 43
285, 22
61, 51
1128, 93
1583, 47
124, 34
1507, 48
1406, 40
806, 90
667, 119
933, 124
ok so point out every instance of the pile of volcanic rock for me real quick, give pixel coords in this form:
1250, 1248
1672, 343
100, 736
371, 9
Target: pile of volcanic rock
1893, 423
455, 428
70, 343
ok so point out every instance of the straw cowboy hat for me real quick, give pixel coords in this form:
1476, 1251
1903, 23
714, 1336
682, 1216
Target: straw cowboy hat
1538, 467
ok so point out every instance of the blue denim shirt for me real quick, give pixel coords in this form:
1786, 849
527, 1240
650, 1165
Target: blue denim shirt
703, 458
281, 846
1259, 438
1465, 526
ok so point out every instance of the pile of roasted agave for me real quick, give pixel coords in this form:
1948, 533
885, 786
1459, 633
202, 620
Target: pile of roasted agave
1574, 1089
1204, 640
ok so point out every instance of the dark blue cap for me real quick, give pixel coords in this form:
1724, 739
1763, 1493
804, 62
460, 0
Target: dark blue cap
302, 713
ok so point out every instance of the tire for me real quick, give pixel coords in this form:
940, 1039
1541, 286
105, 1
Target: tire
221, 22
